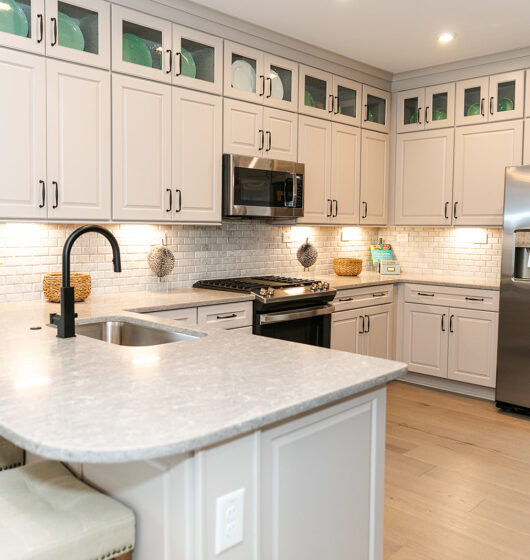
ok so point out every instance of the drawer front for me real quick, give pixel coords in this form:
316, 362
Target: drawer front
363, 297
227, 315
464, 298
187, 316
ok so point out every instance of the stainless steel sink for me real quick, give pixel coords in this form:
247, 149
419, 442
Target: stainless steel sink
125, 333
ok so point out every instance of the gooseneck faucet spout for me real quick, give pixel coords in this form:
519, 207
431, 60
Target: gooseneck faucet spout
66, 320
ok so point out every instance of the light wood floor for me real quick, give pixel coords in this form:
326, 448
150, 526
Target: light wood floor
457, 478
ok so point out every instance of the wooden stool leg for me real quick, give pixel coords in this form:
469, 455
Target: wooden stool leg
127, 556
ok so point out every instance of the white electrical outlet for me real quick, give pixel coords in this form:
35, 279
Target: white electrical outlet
402, 237
229, 520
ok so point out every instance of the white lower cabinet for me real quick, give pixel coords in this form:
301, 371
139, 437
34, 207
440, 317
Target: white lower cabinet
346, 330
458, 344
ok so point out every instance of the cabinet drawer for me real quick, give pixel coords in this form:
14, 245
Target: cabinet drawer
363, 297
227, 315
186, 316
465, 298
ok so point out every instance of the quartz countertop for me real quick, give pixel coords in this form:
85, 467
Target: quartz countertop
86, 401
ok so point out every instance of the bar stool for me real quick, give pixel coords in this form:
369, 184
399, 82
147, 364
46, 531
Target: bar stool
11, 456
48, 514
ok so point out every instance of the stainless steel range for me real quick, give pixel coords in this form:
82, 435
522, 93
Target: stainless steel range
286, 308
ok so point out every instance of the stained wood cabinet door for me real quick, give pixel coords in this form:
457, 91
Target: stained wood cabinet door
377, 337
424, 177
346, 331
482, 154
197, 156
473, 346
141, 124
79, 165
314, 150
281, 134
345, 173
375, 170
426, 338
23, 137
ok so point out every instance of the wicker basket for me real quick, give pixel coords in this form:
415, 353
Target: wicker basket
51, 286
347, 266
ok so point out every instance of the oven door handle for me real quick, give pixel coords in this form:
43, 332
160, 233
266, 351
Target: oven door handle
306, 313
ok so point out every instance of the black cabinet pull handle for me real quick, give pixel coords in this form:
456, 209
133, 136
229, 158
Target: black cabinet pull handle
469, 298
179, 193
366, 112
262, 139
54, 24
361, 330
346, 299
379, 294
336, 208
56, 185
170, 68
451, 323
40, 19
269, 136
178, 58
445, 210
332, 107
419, 116
270, 87
170, 200
425, 294
262, 85
230, 316
337, 105
426, 115
482, 107
491, 105
454, 210
43, 194
443, 320
330, 208
368, 323
365, 213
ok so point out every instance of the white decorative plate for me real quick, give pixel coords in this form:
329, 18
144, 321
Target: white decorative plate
276, 87
243, 76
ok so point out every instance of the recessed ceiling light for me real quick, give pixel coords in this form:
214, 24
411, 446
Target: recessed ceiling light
445, 37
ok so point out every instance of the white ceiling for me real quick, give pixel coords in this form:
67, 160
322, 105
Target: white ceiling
394, 35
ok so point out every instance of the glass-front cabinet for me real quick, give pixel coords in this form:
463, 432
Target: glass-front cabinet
141, 45
244, 76
79, 31
22, 25
346, 101
494, 98
411, 110
376, 109
198, 60
281, 83
315, 93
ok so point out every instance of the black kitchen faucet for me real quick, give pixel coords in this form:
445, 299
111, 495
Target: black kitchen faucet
65, 322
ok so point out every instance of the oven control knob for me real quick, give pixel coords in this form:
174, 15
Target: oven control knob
320, 285
270, 292
314, 287
263, 292
325, 286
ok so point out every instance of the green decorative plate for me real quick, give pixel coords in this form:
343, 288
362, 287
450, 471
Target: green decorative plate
90, 28
70, 34
473, 110
414, 118
13, 19
188, 67
135, 50
504, 104
309, 100
371, 117
439, 115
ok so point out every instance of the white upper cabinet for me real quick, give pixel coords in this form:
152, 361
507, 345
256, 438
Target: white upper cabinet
281, 134
197, 156
376, 109
23, 136
527, 100
198, 60
493, 98
281, 83
141, 45
79, 31
375, 177
315, 93
426, 108
526, 155
141, 136
346, 101
79, 165
22, 25
424, 178
482, 154
244, 75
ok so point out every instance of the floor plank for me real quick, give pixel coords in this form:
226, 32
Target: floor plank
457, 478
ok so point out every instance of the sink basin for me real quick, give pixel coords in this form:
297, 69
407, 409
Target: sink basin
130, 334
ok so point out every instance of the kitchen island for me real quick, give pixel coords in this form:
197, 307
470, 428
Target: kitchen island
297, 432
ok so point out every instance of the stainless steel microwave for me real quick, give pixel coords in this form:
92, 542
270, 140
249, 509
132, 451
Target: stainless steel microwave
265, 188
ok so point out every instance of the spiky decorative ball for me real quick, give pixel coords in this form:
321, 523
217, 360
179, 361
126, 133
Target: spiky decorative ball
307, 254
161, 261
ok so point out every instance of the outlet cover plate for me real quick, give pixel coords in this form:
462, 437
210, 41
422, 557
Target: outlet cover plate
230, 510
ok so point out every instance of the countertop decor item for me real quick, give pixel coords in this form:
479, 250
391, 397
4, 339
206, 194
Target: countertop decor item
347, 266
390, 266
51, 286
307, 254
161, 260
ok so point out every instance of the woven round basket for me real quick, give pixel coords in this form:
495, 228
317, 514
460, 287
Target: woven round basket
347, 266
51, 286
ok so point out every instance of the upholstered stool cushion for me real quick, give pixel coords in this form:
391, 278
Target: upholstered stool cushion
48, 514
10, 455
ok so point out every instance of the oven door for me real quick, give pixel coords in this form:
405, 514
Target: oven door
310, 325
262, 187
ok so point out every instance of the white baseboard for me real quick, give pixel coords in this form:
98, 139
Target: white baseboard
486, 393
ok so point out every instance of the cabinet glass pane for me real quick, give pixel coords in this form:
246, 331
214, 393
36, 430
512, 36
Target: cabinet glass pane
197, 60
347, 101
410, 110
376, 109
472, 101
142, 45
15, 17
439, 106
315, 93
243, 73
281, 83
77, 28
506, 96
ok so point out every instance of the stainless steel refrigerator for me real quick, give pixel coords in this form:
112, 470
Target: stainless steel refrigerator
513, 362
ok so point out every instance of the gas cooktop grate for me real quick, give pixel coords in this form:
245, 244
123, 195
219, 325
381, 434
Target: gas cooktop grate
250, 283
